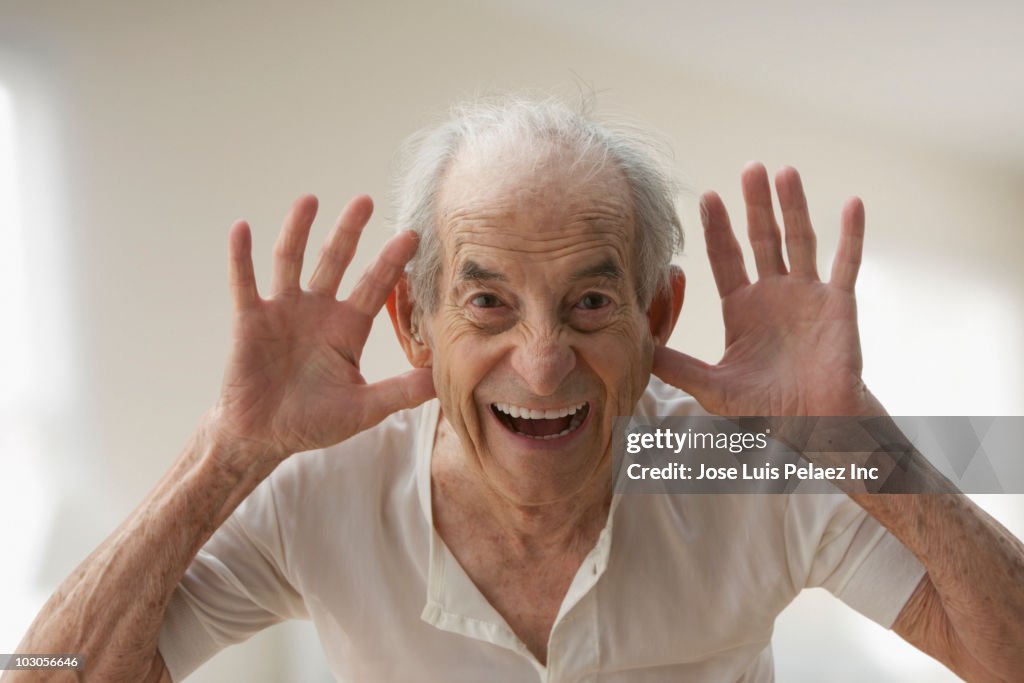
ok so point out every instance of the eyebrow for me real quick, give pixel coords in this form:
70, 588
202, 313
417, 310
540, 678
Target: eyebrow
471, 270
606, 269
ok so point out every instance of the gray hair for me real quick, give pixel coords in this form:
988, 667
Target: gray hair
428, 155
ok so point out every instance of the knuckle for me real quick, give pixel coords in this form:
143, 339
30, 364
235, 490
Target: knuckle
283, 254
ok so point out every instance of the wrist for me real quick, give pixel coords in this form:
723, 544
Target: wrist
868, 405
234, 451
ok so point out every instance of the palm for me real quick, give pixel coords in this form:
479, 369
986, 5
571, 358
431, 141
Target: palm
791, 349
792, 346
293, 381
289, 373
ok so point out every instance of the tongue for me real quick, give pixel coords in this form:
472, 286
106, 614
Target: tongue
541, 427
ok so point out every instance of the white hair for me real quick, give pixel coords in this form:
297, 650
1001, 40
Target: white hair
428, 155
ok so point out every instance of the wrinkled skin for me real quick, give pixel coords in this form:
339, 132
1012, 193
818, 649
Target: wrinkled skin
792, 347
538, 309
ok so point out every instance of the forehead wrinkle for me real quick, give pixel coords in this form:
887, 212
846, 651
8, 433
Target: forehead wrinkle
496, 212
594, 212
582, 229
543, 250
481, 236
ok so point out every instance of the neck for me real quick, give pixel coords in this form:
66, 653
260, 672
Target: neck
462, 496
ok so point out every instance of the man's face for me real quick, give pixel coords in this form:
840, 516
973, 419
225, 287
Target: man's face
538, 340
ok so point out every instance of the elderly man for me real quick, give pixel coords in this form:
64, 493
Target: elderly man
476, 536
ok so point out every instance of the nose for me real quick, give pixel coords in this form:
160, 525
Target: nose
544, 362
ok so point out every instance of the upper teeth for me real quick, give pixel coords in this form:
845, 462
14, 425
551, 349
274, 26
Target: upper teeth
551, 414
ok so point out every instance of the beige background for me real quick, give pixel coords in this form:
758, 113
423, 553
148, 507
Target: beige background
143, 130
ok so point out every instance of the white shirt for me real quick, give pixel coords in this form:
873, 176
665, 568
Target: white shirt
677, 587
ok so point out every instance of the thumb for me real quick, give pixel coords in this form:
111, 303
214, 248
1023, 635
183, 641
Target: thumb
388, 396
684, 372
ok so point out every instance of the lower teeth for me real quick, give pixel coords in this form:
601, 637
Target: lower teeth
577, 420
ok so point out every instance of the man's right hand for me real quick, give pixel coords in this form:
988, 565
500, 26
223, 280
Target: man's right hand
293, 381
292, 384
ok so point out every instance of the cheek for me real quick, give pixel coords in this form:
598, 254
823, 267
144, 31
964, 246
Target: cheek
460, 362
623, 359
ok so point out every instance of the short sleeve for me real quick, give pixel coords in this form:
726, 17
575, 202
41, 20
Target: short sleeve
236, 586
833, 543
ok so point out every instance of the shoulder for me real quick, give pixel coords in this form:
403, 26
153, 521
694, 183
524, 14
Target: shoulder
328, 508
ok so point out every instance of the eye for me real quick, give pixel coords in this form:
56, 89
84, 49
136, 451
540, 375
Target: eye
485, 301
592, 301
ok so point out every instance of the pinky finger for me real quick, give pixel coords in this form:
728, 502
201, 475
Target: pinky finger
240, 271
851, 244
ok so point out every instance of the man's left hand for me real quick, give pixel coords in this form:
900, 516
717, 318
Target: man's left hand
791, 342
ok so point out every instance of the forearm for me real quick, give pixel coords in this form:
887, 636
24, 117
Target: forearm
111, 607
970, 612
976, 568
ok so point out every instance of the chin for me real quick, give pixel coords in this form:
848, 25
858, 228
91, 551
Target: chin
540, 460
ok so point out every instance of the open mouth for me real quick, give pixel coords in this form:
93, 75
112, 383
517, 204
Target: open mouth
543, 425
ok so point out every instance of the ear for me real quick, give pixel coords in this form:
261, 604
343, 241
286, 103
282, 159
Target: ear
664, 309
405, 320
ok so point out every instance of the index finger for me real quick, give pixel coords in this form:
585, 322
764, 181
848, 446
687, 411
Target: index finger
373, 288
724, 252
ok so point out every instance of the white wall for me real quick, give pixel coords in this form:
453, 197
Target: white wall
175, 119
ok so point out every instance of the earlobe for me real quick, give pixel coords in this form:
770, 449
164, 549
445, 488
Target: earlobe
404, 318
665, 306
